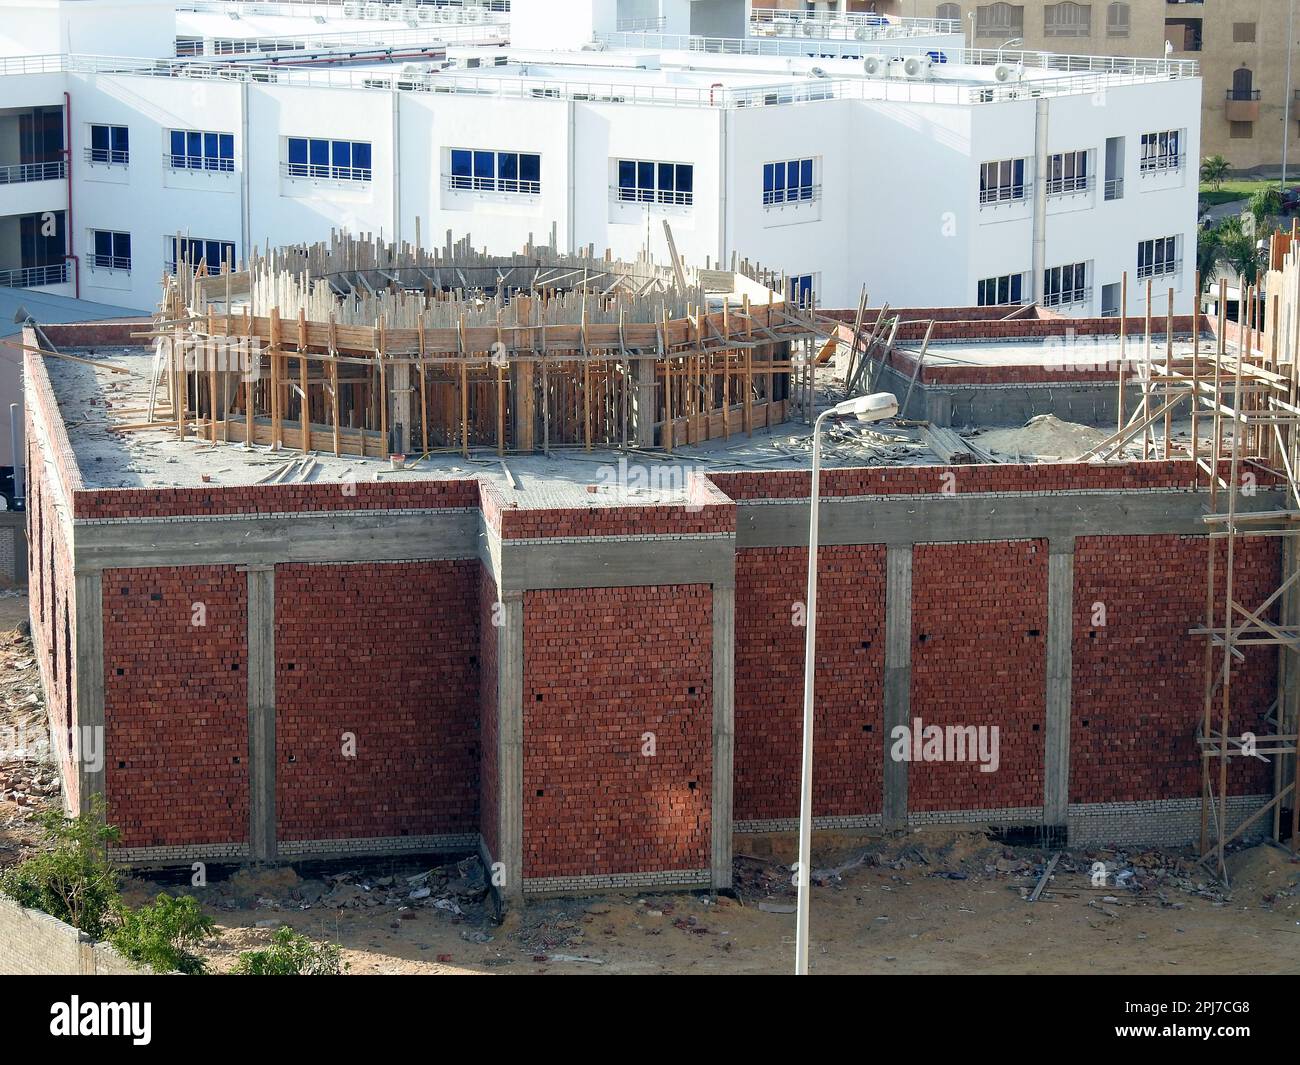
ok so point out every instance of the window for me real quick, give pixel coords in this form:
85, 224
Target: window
112, 250
214, 254
1243, 32
195, 150
1243, 85
801, 289
337, 160
1065, 284
1241, 131
1184, 34
1067, 172
1067, 20
1161, 151
1000, 20
951, 12
1002, 291
1157, 257
788, 182
488, 171
1119, 20
1003, 181
640, 181
109, 144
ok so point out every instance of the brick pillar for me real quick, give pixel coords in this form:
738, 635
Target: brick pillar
724, 670
1060, 665
261, 713
510, 746
88, 719
898, 676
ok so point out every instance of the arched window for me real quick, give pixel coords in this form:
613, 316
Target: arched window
952, 12
1243, 84
1119, 20
1000, 20
1067, 20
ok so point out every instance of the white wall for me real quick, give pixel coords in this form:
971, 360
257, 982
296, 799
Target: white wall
89, 27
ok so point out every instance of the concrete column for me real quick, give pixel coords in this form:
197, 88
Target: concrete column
898, 676
1060, 660
510, 745
1038, 249
88, 742
724, 712
261, 713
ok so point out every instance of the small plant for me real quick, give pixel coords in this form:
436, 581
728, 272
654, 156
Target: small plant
70, 878
291, 954
162, 934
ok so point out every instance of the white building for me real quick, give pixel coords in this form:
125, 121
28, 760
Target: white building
836, 151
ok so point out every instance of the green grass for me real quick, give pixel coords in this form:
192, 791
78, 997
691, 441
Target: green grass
1231, 190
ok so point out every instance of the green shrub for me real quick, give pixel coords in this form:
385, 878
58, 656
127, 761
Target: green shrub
70, 877
161, 934
291, 954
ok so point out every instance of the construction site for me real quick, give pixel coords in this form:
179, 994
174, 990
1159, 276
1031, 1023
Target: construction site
361, 551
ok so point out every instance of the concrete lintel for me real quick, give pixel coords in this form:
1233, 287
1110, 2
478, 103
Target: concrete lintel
616, 563
1060, 667
724, 738
898, 678
261, 714
359, 536
88, 741
510, 745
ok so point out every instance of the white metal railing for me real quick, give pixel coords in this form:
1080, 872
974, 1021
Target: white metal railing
1160, 164
18, 172
112, 156
1164, 268
468, 183
641, 25
431, 14
327, 171
34, 276
405, 38
781, 21
1114, 188
1068, 297
1015, 192
1064, 186
111, 262
797, 194
665, 197
181, 161
1109, 73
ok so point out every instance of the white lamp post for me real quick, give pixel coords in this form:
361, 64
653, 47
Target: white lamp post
872, 408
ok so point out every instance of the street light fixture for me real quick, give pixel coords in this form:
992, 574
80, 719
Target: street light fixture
873, 408
1018, 41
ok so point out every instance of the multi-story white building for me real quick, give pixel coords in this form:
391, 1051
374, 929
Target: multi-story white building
837, 153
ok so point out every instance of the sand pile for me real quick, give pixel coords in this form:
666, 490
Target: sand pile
1045, 437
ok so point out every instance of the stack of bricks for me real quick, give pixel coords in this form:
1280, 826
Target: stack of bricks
979, 634
389, 654
608, 672
1139, 676
176, 705
771, 585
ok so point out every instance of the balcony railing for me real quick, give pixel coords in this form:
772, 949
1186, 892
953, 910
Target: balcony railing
327, 171
1064, 186
1068, 297
111, 156
1159, 164
173, 161
516, 186
34, 276
800, 194
111, 262
667, 197
1166, 268
641, 25
1243, 94
1114, 188
18, 172
1005, 194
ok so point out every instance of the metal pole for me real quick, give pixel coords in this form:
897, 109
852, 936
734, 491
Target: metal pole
1286, 104
809, 669
15, 439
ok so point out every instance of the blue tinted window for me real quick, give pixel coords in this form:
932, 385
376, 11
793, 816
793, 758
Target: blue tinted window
530, 167
178, 142
118, 135
685, 178
226, 146
460, 162
99, 137
485, 164
297, 149
361, 155
103, 245
626, 174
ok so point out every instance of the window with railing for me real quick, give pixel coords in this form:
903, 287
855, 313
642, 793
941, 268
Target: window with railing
1003, 181
1161, 151
215, 255
1001, 291
199, 150
1158, 257
1068, 172
109, 144
112, 250
788, 182
645, 181
1064, 285
318, 157
1119, 20
187, 46
1000, 20
480, 170
1067, 20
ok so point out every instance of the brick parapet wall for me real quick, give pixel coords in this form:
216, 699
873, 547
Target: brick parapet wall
33, 943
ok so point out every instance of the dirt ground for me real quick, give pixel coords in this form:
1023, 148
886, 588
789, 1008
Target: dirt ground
937, 901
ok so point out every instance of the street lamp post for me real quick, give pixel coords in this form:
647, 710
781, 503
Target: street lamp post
1007, 44
872, 408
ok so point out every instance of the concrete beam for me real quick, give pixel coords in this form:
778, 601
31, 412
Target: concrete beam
1060, 666
261, 713
597, 563
88, 741
510, 746
724, 730
898, 677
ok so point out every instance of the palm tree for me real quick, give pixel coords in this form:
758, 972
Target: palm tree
1209, 249
1264, 204
1238, 249
1214, 169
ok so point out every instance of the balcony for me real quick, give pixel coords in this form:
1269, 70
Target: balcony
21, 172
34, 276
1242, 105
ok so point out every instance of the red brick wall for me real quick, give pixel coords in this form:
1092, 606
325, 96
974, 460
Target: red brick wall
1138, 680
603, 666
489, 780
388, 652
979, 636
848, 727
176, 705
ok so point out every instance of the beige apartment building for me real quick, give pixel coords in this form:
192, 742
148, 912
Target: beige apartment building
1242, 46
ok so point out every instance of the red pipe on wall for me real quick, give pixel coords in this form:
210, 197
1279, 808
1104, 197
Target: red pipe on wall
67, 173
